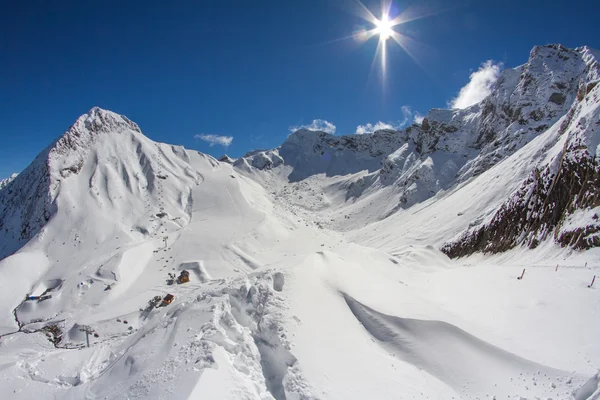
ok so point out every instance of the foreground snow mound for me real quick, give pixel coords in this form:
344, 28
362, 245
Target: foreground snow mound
223, 340
458, 358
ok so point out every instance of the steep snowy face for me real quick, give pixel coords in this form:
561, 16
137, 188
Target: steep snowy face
560, 198
259, 159
102, 168
311, 153
525, 102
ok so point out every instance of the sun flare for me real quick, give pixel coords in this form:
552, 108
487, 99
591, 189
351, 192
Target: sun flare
383, 28
387, 25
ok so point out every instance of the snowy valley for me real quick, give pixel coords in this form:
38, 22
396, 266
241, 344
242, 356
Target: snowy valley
378, 266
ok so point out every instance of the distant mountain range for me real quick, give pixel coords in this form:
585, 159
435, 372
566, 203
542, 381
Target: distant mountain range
554, 95
552, 100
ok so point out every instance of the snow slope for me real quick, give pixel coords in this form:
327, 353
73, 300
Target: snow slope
308, 280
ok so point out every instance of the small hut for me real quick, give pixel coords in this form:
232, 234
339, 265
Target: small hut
167, 300
184, 277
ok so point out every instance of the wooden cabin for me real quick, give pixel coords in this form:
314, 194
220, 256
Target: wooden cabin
184, 277
168, 300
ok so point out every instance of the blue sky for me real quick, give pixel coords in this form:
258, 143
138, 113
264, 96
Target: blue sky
250, 70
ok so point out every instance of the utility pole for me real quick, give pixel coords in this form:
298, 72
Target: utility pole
87, 331
165, 239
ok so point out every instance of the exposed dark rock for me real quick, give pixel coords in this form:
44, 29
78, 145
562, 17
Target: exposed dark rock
536, 115
590, 86
539, 208
53, 333
557, 98
225, 158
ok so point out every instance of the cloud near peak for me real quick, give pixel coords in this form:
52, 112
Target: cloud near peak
316, 125
370, 128
408, 116
479, 86
418, 118
215, 139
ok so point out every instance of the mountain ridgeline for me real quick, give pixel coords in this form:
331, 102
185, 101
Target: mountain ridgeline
552, 101
544, 114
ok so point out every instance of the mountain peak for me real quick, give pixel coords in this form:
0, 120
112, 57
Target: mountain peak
101, 162
563, 55
226, 159
308, 133
86, 129
98, 120
553, 50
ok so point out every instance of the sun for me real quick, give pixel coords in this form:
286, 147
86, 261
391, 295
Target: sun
383, 28
387, 25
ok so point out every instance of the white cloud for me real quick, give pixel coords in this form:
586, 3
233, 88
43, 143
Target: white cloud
316, 125
479, 86
370, 128
215, 139
418, 118
406, 115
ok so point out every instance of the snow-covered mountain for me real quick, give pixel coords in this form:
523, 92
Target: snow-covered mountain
317, 269
555, 91
102, 163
